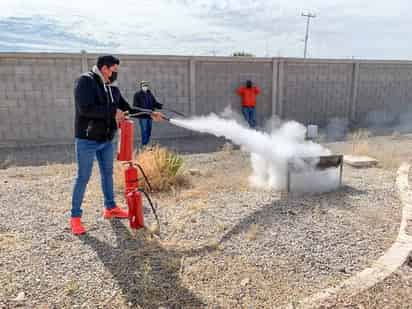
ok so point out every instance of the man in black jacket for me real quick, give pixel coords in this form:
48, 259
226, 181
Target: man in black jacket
145, 99
98, 107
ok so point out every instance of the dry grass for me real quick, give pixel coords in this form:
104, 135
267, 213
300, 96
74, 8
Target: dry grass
225, 152
163, 168
196, 207
387, 157
321, 138
360, 143
237, 283
228, 147
193, 194
71, 287
6, 163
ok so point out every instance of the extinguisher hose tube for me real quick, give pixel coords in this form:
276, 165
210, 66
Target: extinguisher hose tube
144, 176
173, 111
147, 113
139, 114
151, 205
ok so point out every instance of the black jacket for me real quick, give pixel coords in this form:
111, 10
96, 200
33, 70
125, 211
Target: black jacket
146, 100
95, 108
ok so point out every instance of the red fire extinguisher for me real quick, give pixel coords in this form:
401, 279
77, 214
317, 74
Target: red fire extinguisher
134, 196
131, 179
125, 145
132, 192
134, 202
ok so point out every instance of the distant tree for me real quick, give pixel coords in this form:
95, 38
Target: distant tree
242, 54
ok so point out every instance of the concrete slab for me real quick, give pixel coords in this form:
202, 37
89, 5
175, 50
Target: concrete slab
359, 161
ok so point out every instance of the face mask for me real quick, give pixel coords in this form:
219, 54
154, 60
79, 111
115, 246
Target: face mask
113, 77
145, 88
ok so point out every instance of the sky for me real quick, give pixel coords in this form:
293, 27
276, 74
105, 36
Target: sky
341, 29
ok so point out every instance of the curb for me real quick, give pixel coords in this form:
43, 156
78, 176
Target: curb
386, 265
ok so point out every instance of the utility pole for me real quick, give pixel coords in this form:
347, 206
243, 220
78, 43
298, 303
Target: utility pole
308, 16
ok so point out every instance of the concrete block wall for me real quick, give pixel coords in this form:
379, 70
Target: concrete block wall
217, 82
36, 101
384, 91
314, 92
36, 90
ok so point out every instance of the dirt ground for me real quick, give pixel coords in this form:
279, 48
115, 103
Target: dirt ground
224, 244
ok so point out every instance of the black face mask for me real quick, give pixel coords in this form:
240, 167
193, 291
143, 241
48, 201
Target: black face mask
249, 84
113, 77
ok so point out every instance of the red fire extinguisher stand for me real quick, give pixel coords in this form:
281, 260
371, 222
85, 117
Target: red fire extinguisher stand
133, 194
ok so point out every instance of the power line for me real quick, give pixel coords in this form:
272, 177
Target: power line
308, 16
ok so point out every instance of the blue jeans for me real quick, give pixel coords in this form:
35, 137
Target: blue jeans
250, 115
146, 130
86, 151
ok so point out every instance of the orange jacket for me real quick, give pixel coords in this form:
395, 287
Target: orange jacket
248, 95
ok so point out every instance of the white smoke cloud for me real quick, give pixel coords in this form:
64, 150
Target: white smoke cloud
270, 152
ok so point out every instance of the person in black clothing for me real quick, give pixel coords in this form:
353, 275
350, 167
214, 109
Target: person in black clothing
99, 106
145, 99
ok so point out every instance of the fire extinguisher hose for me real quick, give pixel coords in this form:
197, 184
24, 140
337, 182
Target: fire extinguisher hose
139, 114
147, 194
143, 111
175, 112
151, 205
144, 176
147, 113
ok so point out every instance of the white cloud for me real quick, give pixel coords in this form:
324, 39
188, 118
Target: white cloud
342, 28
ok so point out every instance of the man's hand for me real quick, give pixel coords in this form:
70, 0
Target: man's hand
157, 116
119, 116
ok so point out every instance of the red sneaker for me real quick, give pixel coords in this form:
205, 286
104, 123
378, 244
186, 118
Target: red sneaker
77, 226
116, 212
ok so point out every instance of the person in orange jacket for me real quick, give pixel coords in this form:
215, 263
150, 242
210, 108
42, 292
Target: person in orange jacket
248, 95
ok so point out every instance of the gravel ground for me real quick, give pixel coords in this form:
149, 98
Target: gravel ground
395, 292
223, 243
